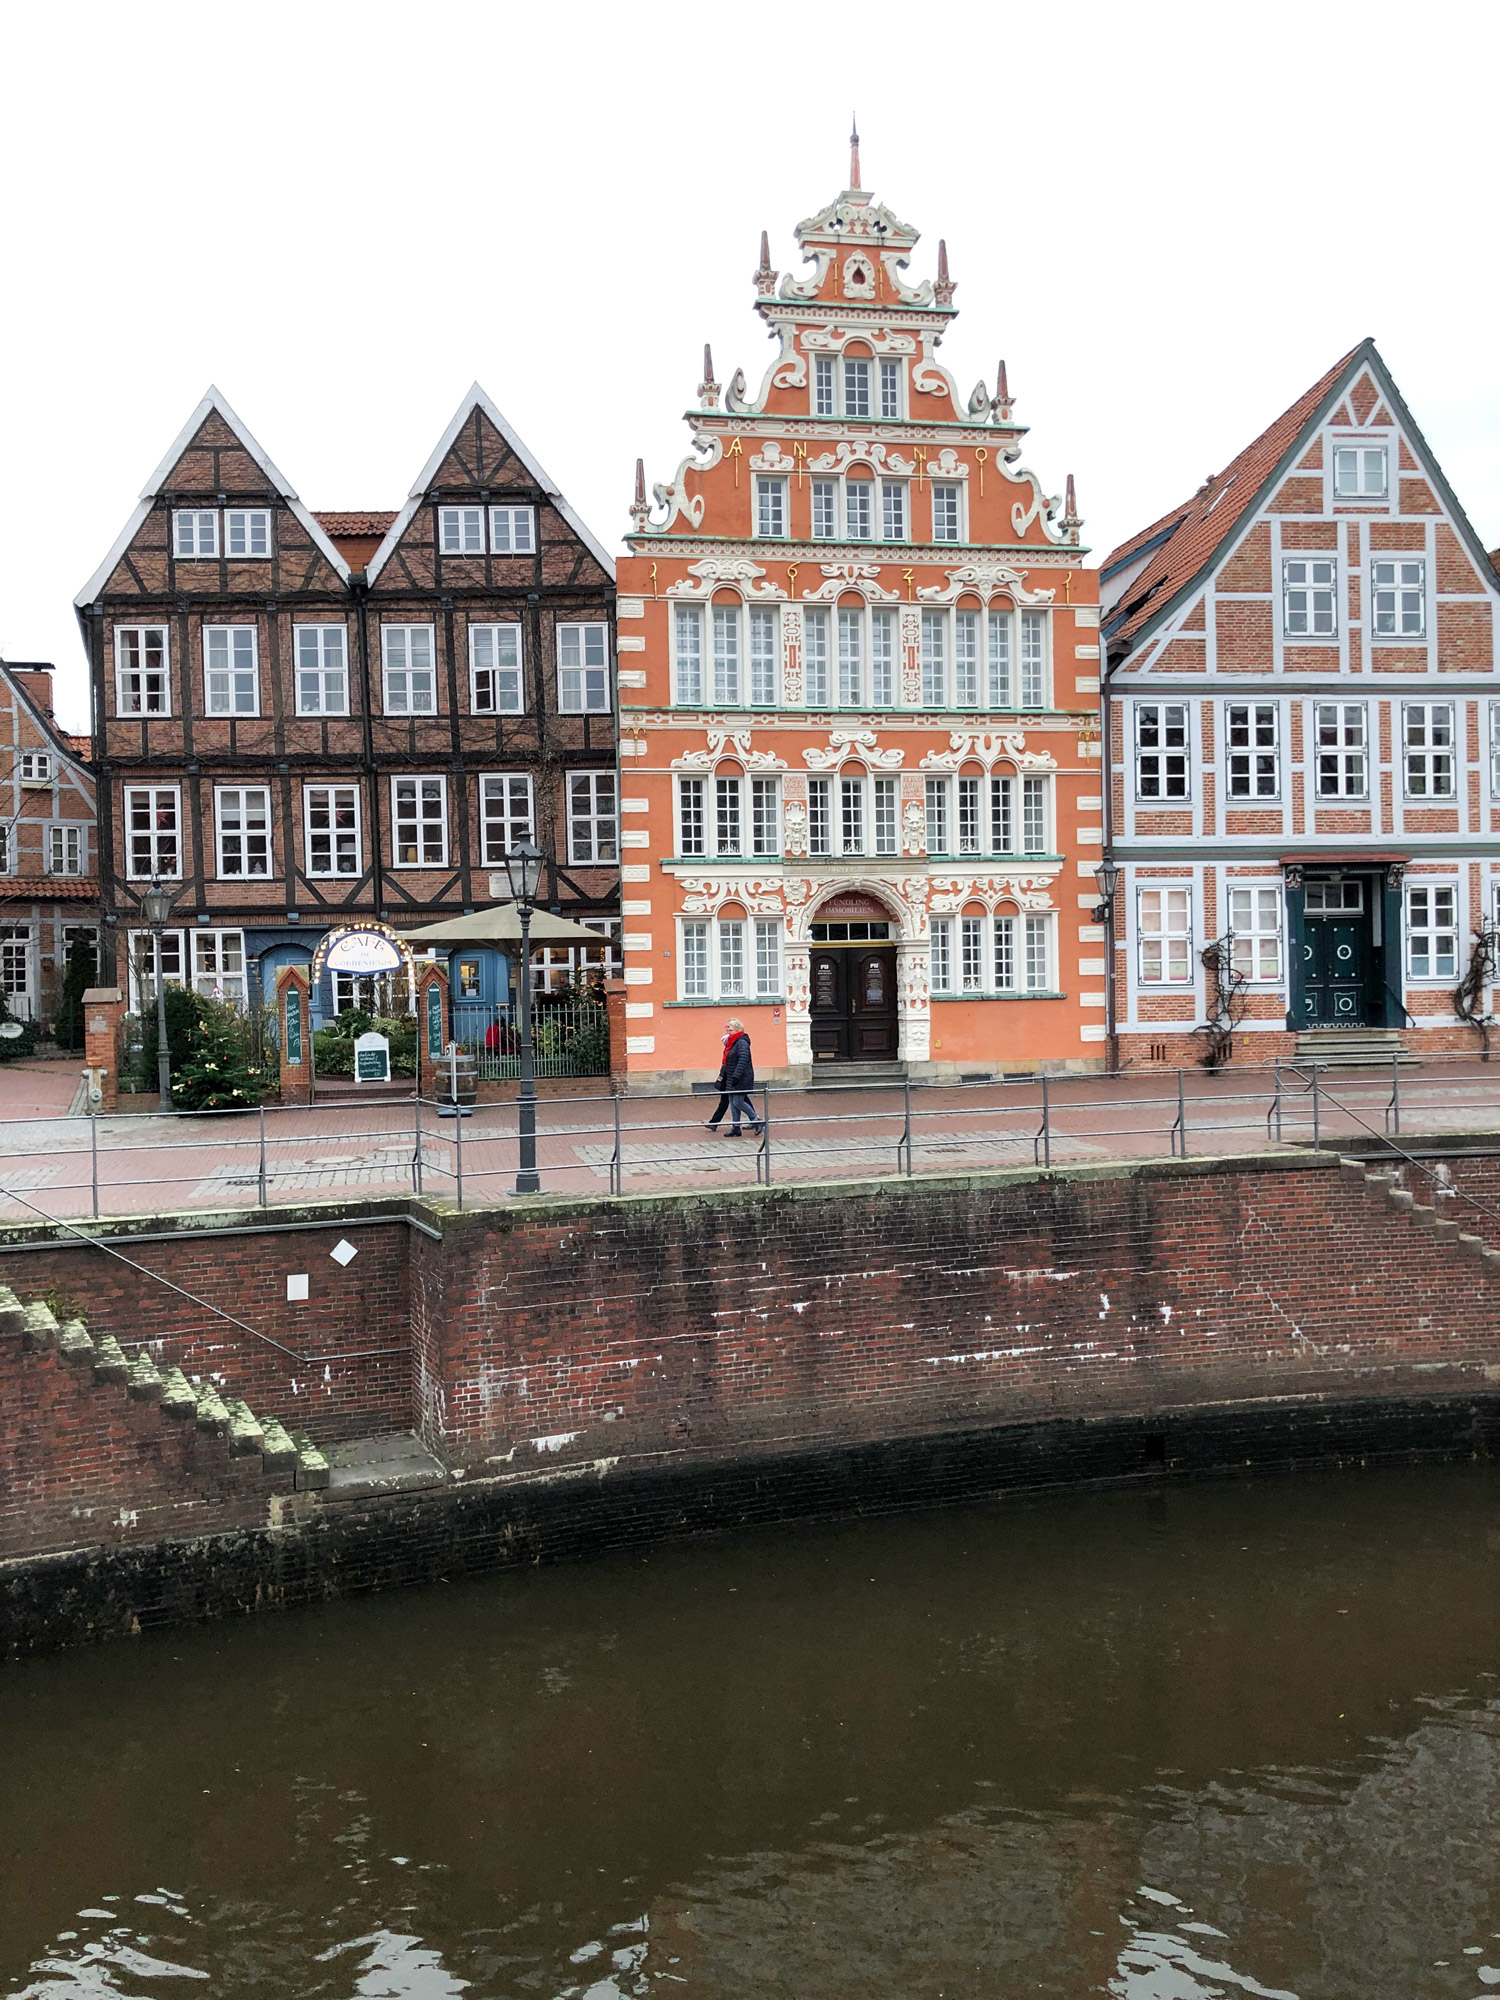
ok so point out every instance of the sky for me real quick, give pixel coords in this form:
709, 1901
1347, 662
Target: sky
1168, 219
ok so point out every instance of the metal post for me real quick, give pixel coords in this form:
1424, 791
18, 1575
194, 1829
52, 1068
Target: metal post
163, 1055
94, 1161
765, 1131
1181, 1116
458, 1155
615, 1175
1396, 1094
416, 1148
1317, 1135
262, 1173
1278, 1100
905, 1142
1046, 1125
527, 1179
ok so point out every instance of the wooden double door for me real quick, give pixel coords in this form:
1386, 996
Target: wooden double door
853, 1003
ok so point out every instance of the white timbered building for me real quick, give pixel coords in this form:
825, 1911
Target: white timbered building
1302, 743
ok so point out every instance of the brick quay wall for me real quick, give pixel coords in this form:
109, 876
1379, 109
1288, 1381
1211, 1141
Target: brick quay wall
598, 1372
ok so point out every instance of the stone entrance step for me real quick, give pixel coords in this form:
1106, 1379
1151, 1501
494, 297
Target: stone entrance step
845, 1073
371, 1466
1348, 1048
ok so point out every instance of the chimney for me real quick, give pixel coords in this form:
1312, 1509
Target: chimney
36, 683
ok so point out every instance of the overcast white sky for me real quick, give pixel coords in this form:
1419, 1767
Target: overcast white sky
1169, 220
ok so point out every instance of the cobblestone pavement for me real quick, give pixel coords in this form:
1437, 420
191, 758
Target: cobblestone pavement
56, 1165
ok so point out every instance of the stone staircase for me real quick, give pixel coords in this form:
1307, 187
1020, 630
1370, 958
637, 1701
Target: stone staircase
827, 1074
176, 1398
1354, 1048
1422, 1215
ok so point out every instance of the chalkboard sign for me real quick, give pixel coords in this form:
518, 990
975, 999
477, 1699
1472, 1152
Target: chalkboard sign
293, 1028
434, 1021
372, 1059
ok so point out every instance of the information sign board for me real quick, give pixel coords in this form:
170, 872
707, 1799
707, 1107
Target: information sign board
372, 1059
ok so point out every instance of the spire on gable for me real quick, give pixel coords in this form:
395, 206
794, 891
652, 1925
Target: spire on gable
854, 154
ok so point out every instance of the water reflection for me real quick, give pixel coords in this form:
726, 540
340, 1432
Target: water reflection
1188, 1745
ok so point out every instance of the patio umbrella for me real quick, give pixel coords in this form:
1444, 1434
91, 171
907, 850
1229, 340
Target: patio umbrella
501, 925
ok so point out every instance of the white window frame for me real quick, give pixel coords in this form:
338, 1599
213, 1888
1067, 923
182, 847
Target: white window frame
1301, 588
1408, 598
825, 497
1438, 761
461, 530
1423, 902
1156, 759
34, 767
1034, 659
726, 664
938, 816
240, 664
763, 661
820, 816
336, 796
859, 521
1257, 940
1164, 947
124, 636
401, 678
226, 834
817, 664
219, 964
195, 534
770, 507
1362, 453
601, 815
507, 813
416, 791
18, 968
987, 957
707, 947
823, 394
765, 817
728, 805
895, 511
892, 384
497, 685
949, 488
692, 817
588, 693
7, 848
67, 849
1341, 753
1244, 774
512, 531
247, 525
687, 655
157, 840
313, 647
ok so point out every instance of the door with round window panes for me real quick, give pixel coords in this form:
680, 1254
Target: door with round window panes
1340, 986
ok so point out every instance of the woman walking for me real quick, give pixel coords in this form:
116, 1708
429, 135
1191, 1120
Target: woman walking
736, 1080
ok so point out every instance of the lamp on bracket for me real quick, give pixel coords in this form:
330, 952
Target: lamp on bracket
1107, 879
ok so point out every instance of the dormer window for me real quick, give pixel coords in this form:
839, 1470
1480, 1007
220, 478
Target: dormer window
195, 532
247, 532
35, 767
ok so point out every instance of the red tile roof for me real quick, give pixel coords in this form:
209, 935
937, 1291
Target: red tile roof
344, 523
1196, 530
50, 889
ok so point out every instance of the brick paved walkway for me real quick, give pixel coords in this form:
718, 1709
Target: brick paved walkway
144, 1165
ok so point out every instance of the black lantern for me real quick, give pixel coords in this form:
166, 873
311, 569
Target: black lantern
523, 868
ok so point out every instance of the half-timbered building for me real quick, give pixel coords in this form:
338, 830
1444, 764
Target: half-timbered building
306, 718
1302, 735
49, 883
859, 683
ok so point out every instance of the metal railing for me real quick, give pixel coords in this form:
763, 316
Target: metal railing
88, 1167
569, 1037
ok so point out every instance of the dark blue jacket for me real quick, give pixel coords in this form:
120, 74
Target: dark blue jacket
739, 1070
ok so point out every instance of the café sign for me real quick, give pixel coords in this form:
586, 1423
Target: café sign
361, 949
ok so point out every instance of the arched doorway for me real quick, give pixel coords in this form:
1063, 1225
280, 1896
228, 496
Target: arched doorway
852, 1015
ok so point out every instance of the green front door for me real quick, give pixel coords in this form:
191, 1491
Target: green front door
1338, 955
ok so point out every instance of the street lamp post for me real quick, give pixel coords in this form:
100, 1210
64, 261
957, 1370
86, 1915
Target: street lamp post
523, 866
1107, 877
156, 907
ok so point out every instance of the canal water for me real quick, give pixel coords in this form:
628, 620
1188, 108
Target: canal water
1210, 1740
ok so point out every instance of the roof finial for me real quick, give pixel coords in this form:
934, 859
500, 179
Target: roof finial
640, 507
854, 150
1004, 401
708, 388
1072, 520
765, 277
943, 289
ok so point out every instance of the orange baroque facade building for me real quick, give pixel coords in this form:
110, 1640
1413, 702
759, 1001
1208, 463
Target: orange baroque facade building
859, 672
